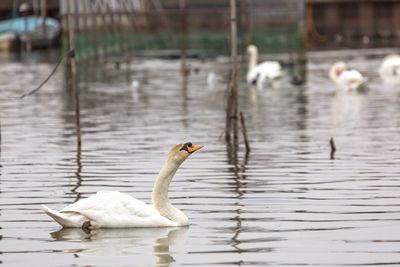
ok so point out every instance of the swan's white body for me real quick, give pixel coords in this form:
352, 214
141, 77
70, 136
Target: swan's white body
390, 69
345, 79
110, 209
259, 74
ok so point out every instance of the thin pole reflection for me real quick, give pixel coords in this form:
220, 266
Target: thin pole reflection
238, 171
75, 92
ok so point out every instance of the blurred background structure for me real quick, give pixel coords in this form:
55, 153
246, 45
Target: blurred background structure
353, 23
165, 27
137, 27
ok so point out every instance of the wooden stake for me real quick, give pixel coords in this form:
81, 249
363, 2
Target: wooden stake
74, 73
184, 67
333, 147
250, 22
72, 26
234, 56
244, 132
231, 107
43, 8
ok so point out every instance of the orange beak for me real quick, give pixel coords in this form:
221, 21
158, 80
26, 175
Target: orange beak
194, 148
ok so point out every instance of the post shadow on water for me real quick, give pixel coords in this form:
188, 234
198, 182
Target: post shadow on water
117, 242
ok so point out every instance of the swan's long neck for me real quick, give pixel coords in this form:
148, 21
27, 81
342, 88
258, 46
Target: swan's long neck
253, 59
334, 74
160, 194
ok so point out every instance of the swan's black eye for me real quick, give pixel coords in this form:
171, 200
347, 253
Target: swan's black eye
186, 147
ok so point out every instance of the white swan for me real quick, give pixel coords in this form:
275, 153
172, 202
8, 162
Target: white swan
390, 69
110, 209
346, 79
267, 71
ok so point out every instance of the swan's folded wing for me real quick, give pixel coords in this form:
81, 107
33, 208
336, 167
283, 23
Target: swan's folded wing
115, 209
112, 201
269, 66
351, 76
267, 69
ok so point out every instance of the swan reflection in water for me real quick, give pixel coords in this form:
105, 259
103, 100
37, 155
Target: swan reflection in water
125, 242
348, 109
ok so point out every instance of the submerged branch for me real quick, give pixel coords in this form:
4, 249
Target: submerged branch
69, 54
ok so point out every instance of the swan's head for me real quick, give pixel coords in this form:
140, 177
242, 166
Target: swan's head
251, 50
181, 152
336, 70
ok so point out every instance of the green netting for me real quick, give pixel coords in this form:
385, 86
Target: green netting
202, 43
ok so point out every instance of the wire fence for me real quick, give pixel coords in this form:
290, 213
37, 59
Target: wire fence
122, 28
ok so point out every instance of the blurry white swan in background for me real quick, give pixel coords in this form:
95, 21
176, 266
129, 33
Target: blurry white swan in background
390, 69
259, 74
111, 209
346, 79
135, 84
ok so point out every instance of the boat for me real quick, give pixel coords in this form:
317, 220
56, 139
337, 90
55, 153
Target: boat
28, 29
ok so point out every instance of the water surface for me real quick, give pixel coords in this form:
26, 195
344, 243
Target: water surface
286, 204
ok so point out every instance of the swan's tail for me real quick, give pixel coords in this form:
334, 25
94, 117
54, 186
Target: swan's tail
363, 86
65, 219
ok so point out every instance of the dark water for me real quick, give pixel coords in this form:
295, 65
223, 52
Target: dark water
286, 204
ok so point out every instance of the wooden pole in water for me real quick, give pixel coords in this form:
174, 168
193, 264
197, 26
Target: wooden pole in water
231, 108
72, 63
72, 26
333, 147
250, 22
71, 37
85, 29
182, 8
43, 8
244, 132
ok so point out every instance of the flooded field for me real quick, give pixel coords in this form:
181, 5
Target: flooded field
286, 204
